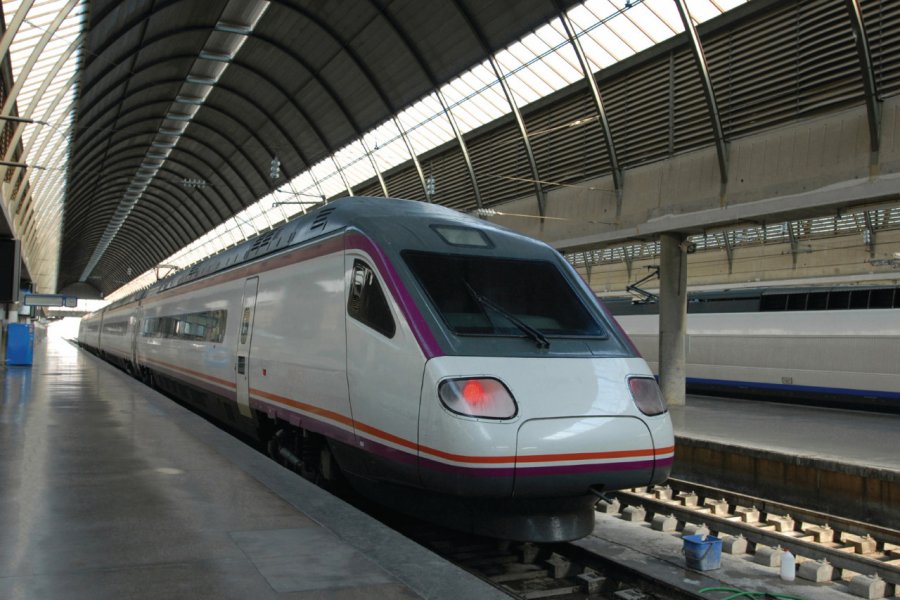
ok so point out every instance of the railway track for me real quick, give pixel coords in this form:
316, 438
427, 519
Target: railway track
863, 558
828, 548
561, 571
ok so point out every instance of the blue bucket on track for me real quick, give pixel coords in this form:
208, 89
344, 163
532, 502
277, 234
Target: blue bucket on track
702, 552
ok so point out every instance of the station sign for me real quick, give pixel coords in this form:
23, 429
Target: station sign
50, 300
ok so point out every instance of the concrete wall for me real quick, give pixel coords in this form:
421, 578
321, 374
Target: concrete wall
813, 158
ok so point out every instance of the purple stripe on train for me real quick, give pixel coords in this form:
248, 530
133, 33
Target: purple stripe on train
306, 422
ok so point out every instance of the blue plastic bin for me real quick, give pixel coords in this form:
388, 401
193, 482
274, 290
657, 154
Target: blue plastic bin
19, 344
702, 552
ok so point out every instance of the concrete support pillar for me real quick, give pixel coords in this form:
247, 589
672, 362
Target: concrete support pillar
672, 317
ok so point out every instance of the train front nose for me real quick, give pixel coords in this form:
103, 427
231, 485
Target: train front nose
568, 425
570, 456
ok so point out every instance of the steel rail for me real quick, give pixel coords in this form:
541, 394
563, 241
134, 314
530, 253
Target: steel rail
731, 525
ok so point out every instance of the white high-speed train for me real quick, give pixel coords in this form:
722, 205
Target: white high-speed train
438, 362
826, 346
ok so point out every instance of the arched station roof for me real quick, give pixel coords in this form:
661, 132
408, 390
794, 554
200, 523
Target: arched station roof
184, 105
157, 132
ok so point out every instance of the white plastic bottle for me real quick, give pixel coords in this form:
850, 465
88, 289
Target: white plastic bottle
788, 570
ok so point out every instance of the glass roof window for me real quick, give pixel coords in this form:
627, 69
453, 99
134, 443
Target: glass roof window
45, 78
535, 66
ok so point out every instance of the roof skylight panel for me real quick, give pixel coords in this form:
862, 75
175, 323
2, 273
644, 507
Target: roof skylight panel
556, 54
391, 153
531, 79
481, 108
702, 10
332, 183
387, 146
304, 189
650, 24
256, 218
667, 12
428, 134
598, 56
355, 163
419, 112
480, 85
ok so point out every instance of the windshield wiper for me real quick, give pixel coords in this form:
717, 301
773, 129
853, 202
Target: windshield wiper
534, 334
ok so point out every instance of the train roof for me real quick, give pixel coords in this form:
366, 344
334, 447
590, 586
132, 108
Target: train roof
379, 217
770, 299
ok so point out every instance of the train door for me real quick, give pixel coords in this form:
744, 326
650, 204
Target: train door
384, 373
242, 366
135, 330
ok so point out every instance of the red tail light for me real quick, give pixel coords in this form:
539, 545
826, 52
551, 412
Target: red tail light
647, 396
486, 398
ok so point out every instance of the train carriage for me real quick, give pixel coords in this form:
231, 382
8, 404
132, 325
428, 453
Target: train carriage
431, 358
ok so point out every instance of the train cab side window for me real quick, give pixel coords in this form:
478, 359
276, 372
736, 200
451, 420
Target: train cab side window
367, 303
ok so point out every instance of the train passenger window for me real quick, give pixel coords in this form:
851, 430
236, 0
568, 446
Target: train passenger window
859, 299
838, 300
367, 303
207, 326
881, 298
797, 301
817, 301
245, 325
773, 302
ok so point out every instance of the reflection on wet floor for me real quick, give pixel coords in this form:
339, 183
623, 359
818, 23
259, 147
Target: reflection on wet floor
110, 490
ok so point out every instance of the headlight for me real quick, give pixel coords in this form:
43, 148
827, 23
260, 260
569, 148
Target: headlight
486, 398
647, 395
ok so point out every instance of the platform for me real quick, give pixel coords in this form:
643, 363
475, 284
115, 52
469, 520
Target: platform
110, 490
839, 461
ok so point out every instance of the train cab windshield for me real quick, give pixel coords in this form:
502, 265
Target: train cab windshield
482, 295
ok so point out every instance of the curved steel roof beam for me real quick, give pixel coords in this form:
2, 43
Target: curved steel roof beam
416, 54
873, 103
140, 20
103, 131
360, 64
246, 127
175, 200
118, 170
63, 135
272, 82
207, 147
144, 242
116, 256
81, 211
12, 29
210, 148
116, 107
164, 201
137, 19
89, 170
150, 230
311, 122
708, 91
22, 76
27, 145
618, 178
19, 127
507, 91
91, 116
185, 169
